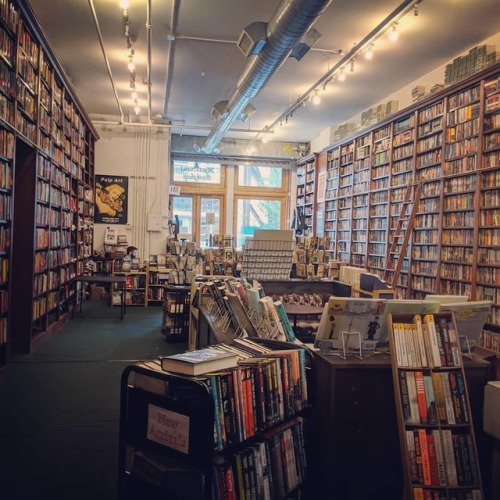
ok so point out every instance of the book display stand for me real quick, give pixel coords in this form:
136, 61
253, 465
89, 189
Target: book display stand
267, 259
437, 440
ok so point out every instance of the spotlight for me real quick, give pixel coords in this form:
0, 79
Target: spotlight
316, 100
393, 35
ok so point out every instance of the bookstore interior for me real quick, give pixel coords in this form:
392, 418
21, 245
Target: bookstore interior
299, 292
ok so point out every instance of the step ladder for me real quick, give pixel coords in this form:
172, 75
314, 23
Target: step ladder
402, 233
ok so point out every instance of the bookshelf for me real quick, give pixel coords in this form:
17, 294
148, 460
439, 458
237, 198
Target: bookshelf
219, 436
135, 286
437, 438
450, 141
47, 162
306, 188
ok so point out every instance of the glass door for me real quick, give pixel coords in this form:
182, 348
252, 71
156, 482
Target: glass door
199, 217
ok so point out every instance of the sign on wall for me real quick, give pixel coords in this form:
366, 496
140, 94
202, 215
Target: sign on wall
111, 200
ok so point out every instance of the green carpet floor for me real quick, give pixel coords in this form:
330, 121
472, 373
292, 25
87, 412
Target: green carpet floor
59, 406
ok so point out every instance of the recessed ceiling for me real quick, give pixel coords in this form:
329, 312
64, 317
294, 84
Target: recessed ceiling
201, 66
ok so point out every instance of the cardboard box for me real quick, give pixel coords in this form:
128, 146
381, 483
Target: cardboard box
491, 419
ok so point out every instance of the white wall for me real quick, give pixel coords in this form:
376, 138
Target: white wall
141, 153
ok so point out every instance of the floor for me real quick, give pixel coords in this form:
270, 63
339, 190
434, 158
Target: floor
59, 407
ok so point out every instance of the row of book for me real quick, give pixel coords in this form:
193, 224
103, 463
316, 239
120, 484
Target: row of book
442, 458
268, 469
428, 342
420, 493
250, 311
436, 398
267, 387
254, 387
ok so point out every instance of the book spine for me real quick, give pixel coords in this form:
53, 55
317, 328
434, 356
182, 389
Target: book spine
421, 399
424, 450
439, 458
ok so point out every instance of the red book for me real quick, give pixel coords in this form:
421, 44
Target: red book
432, 459
421, 398
426, 466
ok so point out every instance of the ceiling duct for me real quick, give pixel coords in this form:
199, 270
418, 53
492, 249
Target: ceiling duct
290, 22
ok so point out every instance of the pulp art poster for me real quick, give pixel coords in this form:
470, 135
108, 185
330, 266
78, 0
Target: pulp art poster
111, 199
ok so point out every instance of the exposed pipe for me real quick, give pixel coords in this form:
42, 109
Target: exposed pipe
106, 60
291, 20
148, 31
170, 54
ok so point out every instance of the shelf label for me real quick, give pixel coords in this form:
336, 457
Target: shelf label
168, 428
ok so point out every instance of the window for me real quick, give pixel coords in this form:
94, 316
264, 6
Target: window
255, 214
262, 177
198, 173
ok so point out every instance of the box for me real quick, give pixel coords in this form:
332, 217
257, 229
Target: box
491, 418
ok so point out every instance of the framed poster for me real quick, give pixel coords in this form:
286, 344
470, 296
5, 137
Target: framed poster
111, 199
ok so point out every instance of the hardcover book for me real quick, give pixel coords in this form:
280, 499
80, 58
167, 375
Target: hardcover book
199, 362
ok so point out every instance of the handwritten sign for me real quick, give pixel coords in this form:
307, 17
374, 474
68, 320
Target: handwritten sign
168, 428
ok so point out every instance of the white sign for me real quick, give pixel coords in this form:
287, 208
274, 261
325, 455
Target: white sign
210, 218
174, 190
168, 428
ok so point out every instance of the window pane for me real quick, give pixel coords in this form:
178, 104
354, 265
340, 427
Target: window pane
256, 214
190, 171
183, 208
264, 177
210, 220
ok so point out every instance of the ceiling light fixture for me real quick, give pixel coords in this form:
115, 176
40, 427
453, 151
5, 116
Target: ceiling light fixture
394, 35
388, 26
316, 100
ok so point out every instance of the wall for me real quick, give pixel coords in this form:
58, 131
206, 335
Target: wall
141, 153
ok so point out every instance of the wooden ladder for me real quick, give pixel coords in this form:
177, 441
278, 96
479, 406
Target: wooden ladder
398, 248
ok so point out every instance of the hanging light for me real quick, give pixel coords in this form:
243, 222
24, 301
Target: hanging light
316, 100
369, 53
393, 35
351, 69
342, 75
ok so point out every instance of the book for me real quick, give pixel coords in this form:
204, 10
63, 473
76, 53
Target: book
198, 362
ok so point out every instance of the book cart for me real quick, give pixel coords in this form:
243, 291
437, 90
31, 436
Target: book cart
182, 425
437, 440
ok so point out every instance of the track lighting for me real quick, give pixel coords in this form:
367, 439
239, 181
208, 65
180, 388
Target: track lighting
316, 100
342, 75
415, 9
351, 69
393, 35
369, 53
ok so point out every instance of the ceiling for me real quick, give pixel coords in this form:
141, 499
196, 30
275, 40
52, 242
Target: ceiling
202, 65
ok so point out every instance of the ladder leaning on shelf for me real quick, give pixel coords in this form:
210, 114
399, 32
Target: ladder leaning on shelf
404, 227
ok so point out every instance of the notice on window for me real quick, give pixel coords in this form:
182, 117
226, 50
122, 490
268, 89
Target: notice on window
210, 218
168, 428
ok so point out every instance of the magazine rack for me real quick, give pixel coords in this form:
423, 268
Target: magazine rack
175, 322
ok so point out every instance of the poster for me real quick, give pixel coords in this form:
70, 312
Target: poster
111, 200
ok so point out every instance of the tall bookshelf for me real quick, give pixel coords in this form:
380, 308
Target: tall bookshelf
450, 141
47, 162
306, 193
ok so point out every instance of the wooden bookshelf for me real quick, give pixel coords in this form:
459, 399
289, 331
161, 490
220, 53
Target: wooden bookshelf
306, 193
450, 141
47, 162
437, 437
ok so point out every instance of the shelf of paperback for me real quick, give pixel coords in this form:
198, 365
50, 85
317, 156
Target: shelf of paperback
236, 430
135, 290
437, 439
264, 259
175, 322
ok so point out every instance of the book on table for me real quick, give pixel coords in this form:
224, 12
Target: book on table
198, 362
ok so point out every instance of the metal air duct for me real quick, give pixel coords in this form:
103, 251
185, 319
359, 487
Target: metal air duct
288, 25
